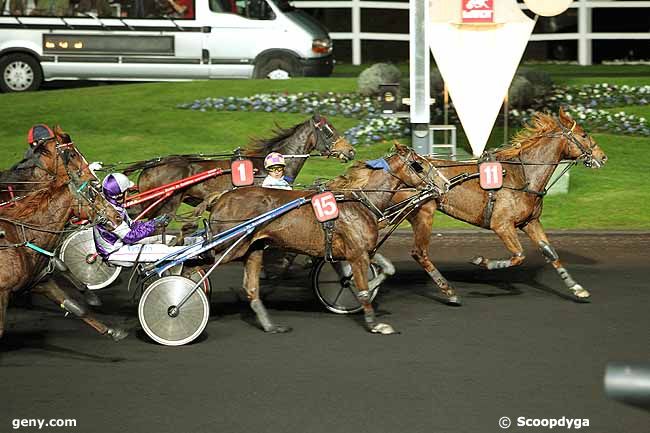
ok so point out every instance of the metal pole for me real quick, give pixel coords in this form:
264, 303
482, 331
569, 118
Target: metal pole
419, 74
585, 57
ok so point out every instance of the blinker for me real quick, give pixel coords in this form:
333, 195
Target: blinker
417, 167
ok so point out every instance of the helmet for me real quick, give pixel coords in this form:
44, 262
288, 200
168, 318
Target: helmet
39, 132
116, 184
274, 158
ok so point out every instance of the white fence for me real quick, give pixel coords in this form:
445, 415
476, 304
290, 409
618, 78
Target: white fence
584, 36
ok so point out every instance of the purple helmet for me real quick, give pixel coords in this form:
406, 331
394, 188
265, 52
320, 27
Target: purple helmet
115, 184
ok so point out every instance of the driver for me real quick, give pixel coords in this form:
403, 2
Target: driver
131, 241
274, 165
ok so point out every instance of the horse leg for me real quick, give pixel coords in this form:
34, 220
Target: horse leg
252, 269
360, 275
387, 269
535, 231
4, 301
508, 235
90, 297
421, 222
51, 290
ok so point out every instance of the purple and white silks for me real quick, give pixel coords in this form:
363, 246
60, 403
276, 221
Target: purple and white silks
128, 233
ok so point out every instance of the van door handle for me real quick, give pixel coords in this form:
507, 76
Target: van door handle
206, 29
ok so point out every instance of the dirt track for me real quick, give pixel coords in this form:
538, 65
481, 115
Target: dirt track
515, 348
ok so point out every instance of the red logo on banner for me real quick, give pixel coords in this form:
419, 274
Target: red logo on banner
325, 207
477, 11
241, 172
491, 175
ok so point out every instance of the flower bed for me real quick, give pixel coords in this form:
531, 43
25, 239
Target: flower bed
586, 103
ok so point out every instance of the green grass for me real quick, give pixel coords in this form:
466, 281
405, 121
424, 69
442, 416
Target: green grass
114, 123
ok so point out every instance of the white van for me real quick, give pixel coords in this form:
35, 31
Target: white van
157, 40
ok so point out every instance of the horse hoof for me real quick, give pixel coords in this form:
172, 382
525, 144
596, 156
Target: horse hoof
92, 299
454, 301
477, 260
580, 292
277, 329
117, 334
382, 328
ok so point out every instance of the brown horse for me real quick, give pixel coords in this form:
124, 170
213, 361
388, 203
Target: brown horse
315, 134
529, 164
39, 219
354, 236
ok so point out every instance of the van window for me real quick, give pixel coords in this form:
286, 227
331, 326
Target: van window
153, 9
253, 9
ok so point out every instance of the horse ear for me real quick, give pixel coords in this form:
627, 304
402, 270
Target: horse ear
400, 148
58, 131
565, 117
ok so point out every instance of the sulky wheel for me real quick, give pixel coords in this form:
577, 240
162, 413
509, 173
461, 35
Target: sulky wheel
163, 320
334, 288
195, 274
79, 254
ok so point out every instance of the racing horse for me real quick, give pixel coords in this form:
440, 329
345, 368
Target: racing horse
353, 238
529, 163
314, 134
32, 228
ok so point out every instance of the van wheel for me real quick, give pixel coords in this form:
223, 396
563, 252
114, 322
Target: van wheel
278, 68
19, 73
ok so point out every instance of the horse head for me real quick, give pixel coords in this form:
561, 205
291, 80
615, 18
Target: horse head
42, 155
328, 141
580, 145
412, 169
82, 182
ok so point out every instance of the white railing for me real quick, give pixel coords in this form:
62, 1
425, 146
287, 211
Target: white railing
584, 36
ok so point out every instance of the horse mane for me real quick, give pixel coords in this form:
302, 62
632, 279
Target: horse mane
262, 146
529, 136
355, 177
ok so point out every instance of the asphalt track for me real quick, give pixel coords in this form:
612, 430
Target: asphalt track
516, 348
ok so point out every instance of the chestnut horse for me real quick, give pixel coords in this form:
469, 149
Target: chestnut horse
315, 134
38, 220
529, 164
354, 236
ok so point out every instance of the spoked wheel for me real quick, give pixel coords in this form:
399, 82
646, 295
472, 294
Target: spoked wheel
164, 321
334, 288
80, 256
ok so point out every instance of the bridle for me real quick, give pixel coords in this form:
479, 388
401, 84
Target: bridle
326, 137
415, 167
86, 191
586, 152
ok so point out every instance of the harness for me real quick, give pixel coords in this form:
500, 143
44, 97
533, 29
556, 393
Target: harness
395, 214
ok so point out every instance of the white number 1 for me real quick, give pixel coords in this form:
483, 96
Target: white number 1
242, 172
